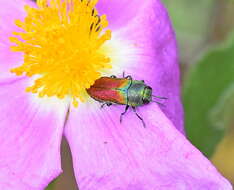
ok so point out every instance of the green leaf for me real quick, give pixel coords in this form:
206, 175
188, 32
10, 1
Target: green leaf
222, 114
50, 186
207, 89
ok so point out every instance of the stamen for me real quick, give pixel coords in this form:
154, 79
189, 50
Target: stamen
61, 42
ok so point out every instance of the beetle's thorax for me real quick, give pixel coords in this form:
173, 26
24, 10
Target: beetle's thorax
135, 93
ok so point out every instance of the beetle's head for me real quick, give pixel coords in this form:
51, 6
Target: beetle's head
147, 95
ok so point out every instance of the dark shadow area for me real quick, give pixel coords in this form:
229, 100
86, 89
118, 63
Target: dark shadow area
67, 179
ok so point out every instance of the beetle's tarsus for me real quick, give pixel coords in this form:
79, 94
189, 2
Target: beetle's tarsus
108, 104
134, 109
128, 77
113, 76
121, 115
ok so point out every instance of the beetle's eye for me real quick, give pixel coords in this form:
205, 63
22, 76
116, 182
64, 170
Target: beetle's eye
145, 101
147, 95
148, 87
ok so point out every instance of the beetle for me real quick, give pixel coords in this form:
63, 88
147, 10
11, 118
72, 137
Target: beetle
122, 91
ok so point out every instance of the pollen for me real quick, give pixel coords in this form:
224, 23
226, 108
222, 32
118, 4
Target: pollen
62, 42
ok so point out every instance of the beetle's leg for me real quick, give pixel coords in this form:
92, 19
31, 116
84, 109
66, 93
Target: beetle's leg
103, 105
128, 77
113, 76
126, 109
134, 109
108, 104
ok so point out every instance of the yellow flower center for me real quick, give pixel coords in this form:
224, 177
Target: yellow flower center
62, 42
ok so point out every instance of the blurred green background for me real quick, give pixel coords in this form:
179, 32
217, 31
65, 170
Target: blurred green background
205, 34
204, 30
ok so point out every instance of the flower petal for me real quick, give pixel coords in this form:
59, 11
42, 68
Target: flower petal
30, 135
127, 156
143, 46
119, 13
9, 12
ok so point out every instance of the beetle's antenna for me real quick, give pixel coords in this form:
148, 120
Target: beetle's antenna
158, 103
160, 97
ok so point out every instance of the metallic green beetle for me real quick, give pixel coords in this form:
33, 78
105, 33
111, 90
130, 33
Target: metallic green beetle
123, 91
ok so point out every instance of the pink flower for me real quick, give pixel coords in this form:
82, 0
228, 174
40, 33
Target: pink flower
61, 59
